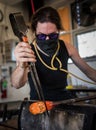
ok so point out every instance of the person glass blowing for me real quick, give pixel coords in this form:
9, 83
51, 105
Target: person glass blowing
50, 55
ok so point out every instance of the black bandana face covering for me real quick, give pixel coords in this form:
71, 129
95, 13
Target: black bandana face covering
48, 46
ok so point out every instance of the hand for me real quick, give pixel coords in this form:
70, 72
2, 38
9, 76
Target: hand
24, 53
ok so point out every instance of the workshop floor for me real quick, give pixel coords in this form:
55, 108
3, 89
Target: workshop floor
11, 123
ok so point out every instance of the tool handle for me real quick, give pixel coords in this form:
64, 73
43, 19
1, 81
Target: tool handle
24, 39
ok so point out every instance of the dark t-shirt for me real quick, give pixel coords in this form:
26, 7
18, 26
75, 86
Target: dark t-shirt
53, 82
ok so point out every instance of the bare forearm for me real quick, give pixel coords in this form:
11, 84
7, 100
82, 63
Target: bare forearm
19, 77
85, 68
80, 63
23, 54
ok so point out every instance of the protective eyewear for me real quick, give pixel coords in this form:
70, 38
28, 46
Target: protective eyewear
51, 36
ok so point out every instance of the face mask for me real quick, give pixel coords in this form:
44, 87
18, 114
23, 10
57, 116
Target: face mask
48, 46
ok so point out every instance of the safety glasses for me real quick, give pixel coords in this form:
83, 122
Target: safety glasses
51, 36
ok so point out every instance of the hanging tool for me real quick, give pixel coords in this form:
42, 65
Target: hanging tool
20, 30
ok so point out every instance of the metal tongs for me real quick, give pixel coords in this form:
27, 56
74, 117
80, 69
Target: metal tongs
20, 30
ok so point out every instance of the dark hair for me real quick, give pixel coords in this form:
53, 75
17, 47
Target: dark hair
46, 14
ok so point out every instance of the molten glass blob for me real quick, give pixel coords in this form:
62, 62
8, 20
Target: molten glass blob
40, 107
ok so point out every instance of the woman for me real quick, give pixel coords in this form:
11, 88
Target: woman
50, 56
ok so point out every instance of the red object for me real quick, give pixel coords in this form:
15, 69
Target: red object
4, 94
32, 5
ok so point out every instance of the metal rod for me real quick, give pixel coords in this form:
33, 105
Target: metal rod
74, 100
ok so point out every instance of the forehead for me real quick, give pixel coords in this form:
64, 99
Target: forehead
46, 28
